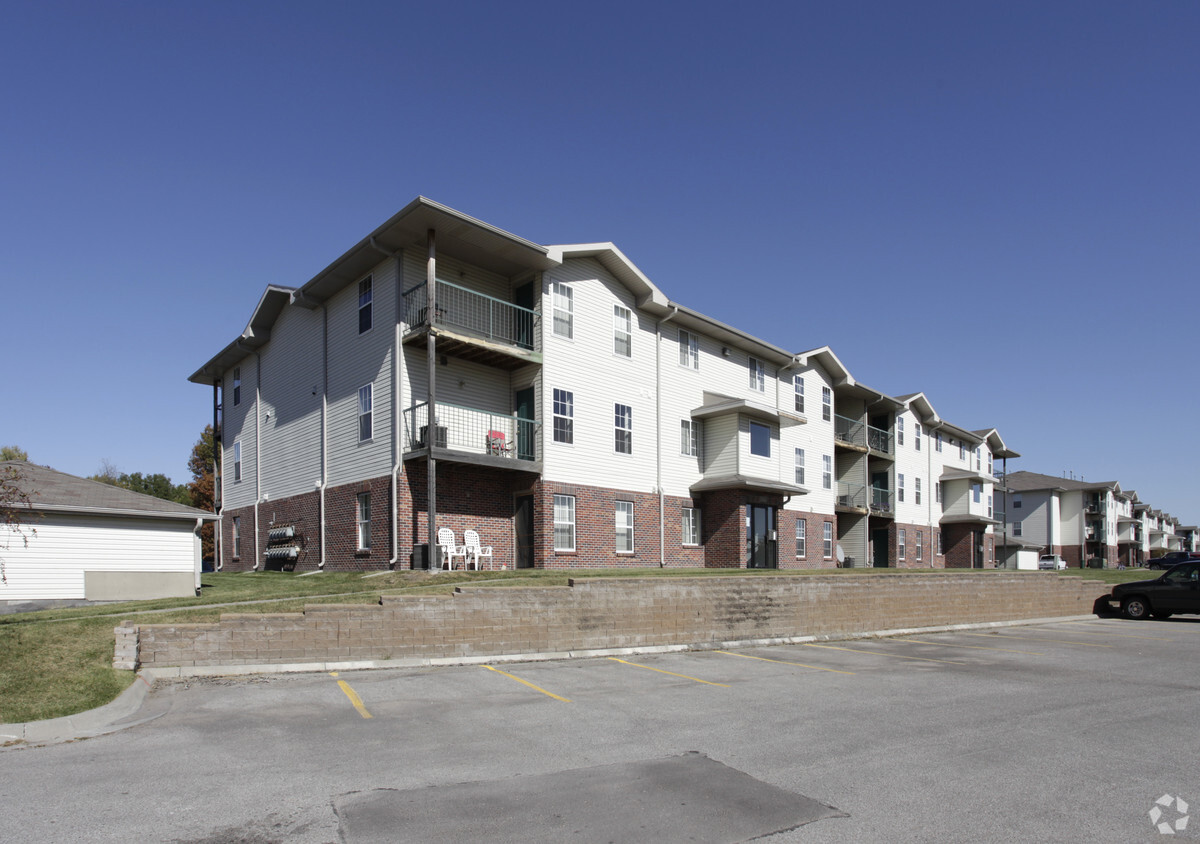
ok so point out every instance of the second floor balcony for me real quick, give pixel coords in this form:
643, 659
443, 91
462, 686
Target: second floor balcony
879, 440
849, 432
881, 501
852, 496
472, 435
473, 326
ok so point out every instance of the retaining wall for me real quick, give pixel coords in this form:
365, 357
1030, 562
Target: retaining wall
604, 613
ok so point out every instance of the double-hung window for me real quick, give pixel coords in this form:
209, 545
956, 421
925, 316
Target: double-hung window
758, 375
624, 525
362, 518
800, 467
798, 387
563, 305
827, 540
237, 460
564, 523
365, 422
917, 436
689, 349
920, 549
801, 537
689, 437
237, 386
938, 442
691, 526
237, 537
899, 486
899, 430
917, 490
364, 305
622, 332
827, 471
901, 540
826, 404
989, 506
1016, 526
622, 429
564, 416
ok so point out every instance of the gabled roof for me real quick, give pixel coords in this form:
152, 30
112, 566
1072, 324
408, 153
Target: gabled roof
52, 491
922, 407
995, 443
254, 336
1031, 481
614, 260
827, 360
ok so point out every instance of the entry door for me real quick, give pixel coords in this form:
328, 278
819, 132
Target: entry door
977, 549
523, 525
526, 427
760, 536
880, 540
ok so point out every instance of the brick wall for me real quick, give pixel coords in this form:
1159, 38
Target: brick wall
607, 613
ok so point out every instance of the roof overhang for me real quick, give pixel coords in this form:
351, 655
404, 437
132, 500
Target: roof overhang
118, 511
967, 519
748, 483
719, 405
966, 475
256, 334
624, 270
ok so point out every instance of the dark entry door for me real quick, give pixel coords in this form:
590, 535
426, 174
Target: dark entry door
523, 524
526, 427
760, 536
880, 546
977, 549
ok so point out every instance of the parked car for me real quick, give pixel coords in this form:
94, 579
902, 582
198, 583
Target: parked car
1176, 591
1051, 562
1169, 559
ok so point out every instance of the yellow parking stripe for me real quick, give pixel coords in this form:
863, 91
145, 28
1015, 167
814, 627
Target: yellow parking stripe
972, 647
995, 636
883, 653
785, 662
526, 683
672, 673
354, 698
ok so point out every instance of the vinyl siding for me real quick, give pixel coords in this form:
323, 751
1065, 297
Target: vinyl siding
291, 404
238, 425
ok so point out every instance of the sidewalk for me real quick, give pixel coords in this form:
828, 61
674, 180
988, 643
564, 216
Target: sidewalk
126, 711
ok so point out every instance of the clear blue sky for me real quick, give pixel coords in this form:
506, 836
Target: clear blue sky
996, 204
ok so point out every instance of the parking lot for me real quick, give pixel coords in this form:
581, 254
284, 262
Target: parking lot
1055, 732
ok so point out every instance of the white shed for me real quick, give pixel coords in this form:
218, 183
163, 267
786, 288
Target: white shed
90, 540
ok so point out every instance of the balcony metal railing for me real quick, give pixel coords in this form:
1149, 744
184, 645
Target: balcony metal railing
881, 499
879, 440
852, 495
473, 431
476, 313
850, 431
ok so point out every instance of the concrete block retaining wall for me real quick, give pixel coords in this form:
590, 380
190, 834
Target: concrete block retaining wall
604, 613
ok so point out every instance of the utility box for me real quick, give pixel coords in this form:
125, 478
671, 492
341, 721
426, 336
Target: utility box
420, 556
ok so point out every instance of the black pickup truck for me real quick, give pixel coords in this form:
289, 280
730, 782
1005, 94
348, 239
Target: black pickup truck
1169, 559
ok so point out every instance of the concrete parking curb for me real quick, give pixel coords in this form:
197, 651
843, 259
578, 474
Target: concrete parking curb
127, 710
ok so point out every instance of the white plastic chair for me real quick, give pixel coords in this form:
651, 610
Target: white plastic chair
449, 549
473, 550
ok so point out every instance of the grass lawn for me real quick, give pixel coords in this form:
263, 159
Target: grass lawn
59, 662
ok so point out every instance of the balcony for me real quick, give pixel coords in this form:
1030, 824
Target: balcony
850, 432
881, 501
471, 435
852, 496
879, 440
473, 326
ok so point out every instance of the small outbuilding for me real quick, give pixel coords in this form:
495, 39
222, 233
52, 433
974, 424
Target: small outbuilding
91, 540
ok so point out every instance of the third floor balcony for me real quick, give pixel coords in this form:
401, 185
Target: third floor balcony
473, 326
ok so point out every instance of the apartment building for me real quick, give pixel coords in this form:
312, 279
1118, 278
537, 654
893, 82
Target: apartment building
444, 373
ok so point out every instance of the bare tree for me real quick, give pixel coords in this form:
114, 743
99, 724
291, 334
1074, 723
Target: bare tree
16, 505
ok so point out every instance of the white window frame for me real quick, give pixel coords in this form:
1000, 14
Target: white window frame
899, 430
365, 298
366, 413
899, 486
362, 520
1016, 528
564, 521
920, 549
826, 471
1016, 501
941, 549
938, 441
798, 388
989, 506
237, 386
562, 297
800, 467
563, 408
622, 428
827, 540
689, 349
237, 460
758, 375
622, 331
917, 436
826, 404
689, 437
916, 490
237, 537
901, 540
623, 524
801, 538
690, 526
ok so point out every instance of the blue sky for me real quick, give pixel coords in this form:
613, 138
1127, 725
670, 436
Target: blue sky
996, 204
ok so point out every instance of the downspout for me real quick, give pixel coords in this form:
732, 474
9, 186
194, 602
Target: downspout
323, 482
257, 449
430, 406
218, 478
396, 400
662, 505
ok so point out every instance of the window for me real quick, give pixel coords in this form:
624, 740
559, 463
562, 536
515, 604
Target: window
827, 471
1016, 501
826, 404
976, 491
940, 549
937, 492
563, 298
364, 305
758, 375
237, 386
901, 540
622, 332
624, 527
938, 442
798, 386
977, 450
623, 429
365, 424
917, 490
237, 460
691, 526
237, 537
760, 439
917, 436
689, 438
990, 464
564, 413
900, 486
362, 516
827, 540
564, 523
689, 349
920, 544
1016, 528
899, 430
801, 538
989, 506
800, 466
962, 450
